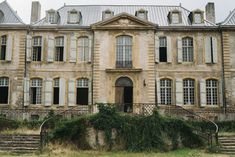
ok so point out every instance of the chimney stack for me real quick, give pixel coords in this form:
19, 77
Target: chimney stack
35, 12
210, 12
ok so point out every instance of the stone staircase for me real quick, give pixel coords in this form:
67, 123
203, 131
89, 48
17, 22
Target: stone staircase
19, 143
227, 144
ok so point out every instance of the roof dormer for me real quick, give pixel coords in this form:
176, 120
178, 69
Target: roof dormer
175, 17
1, 17
52, 16
142, 14
107, 14
74, 17
196, 17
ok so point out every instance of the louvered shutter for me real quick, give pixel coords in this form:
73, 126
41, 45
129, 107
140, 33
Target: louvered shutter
179, 92
48, 91
65, 48
42, 51
208, 50
179, 46
62, 92
9, 47
29, 47
157, 53
26, 92
73, 49
203, 92
71, 93
90, 48
90, 92
169, 51
215, 50
158, 92
51, 48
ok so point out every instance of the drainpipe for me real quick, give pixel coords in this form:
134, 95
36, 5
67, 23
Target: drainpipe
92, 69
223, 76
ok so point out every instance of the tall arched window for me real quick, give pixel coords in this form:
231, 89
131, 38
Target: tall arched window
82, 91
4, 87
37, 49
211, 92
83, 48
59, 49
189, 91
124, 51
3, 43
166, 91
36, 91
187, 45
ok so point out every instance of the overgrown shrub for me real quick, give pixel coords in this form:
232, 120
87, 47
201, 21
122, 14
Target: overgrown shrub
6, 124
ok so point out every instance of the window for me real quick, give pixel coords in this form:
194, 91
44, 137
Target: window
211, 92
4, 87
107, 14
56, 92
175, 18
51, 17
37, 49
166, 91
83, 48
3, 47
82, 91
142, 14
162, 49
36, 91
59, 49
73, 17
1, 17
189, 91
197, 18
187, 45
124, 52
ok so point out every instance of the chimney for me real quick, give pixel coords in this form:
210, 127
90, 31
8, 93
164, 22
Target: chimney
35, 12
210, 12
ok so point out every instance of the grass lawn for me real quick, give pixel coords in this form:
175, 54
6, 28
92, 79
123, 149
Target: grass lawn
70, 153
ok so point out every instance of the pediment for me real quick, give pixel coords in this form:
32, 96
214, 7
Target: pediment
124, 21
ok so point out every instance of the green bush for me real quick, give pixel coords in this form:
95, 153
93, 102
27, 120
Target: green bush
6, 124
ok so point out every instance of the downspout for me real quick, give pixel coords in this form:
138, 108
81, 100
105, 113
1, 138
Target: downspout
92, 70
155, 67
223, 75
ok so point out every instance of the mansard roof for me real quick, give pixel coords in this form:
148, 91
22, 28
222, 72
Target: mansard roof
230, 20
10, 17
92, 14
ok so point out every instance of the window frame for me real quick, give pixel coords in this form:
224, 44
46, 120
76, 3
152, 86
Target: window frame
77, 14
37, 84
3, 47
187, 49
56, 84
212, 92
163, 44
82, 84
189, 95
37, 48
83, 48
166, 86
5, 83
59, 48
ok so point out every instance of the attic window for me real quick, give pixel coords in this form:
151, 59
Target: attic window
197, 18
73, 17
142, 14
1, 16
175, 17
52, 16
107, 14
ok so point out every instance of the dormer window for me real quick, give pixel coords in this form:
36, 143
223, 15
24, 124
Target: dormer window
1, 17
107, 14
196, 17
74, 16
52, 16
175, 17
142, 14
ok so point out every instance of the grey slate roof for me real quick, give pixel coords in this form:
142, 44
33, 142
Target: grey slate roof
93, 13
230, 20
10, 16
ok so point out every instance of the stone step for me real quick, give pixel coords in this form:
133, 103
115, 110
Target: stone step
227, 150
228, 147
18, 148
227, 141
20, 145
228, 144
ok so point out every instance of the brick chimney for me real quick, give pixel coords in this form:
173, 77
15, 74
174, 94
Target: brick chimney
210, 12
35, 12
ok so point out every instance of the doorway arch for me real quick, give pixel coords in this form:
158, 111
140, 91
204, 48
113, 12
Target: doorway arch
124, 94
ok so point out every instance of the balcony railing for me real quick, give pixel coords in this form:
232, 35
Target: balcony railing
124, 64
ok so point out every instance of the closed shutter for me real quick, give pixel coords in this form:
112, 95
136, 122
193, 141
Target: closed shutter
42, 52
48, 92
51, 49
169, 51
90, 92
179, 92
215, 50
90, 48
208, 50
9, 47
62, 92
29, 47
65, 48
26, 92
157, 53
71, 93
179, 46
203, 92
158, 92
73, 49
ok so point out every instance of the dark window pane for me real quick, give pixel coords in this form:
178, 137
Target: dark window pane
82, 96
163, 54
3, 52
39, 54
33, 95
56, 96
3, 95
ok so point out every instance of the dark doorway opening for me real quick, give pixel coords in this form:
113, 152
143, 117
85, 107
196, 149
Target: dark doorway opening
82, 96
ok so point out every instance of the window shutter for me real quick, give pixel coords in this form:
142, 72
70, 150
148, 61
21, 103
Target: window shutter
26, 92
42, 46
208, 50
73, 49
71, 93
51, 49
179, 92
48, 92
29, 47
65, 48
62, 92
215, 49
157, 53
169, 51
158, 92
179, 43
90, 48
90, 92
203, 92
9, 47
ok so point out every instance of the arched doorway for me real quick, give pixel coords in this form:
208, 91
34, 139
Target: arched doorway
124, 94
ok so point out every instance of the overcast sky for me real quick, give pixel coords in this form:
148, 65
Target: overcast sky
23, 7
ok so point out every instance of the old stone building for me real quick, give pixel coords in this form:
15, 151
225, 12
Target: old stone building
80, 55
